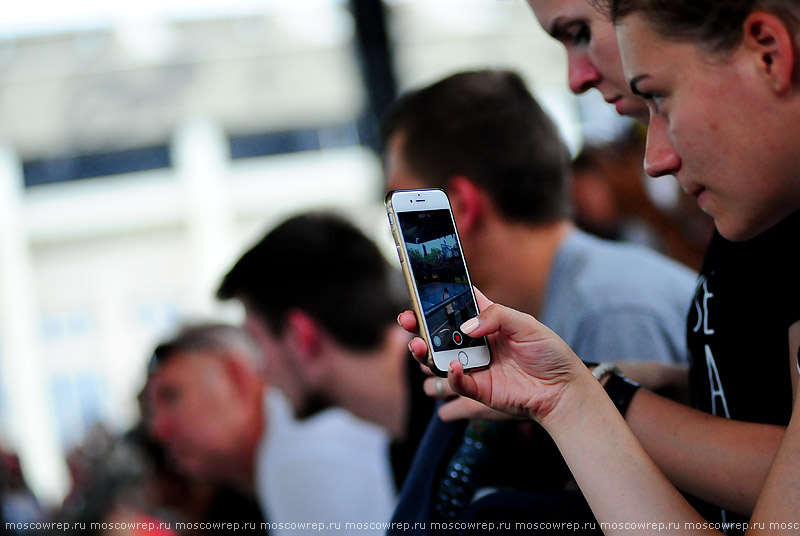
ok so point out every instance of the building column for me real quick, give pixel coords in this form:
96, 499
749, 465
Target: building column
24, 375
201, 159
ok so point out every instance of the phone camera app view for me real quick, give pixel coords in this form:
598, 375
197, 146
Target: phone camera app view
438, 268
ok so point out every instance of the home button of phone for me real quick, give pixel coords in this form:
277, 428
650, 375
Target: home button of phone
463, 358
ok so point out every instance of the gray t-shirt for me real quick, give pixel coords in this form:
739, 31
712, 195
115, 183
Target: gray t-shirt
613, 301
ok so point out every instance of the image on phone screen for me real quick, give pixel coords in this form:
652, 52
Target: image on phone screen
440, 274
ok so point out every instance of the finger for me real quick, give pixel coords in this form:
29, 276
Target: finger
437, 388
426, 370
419, 350
460, 383
456, 410
465, 408
408, 321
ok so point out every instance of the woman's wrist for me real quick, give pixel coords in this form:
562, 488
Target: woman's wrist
590, 390
577, 399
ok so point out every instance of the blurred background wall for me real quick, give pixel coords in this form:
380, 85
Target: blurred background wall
143, 145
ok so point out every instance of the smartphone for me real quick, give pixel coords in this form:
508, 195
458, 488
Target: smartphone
435, 271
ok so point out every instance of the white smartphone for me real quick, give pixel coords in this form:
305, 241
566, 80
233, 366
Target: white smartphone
435, 271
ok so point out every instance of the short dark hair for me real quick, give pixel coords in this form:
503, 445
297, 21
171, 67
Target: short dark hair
715, 24
324, 265
487, 126
203, 336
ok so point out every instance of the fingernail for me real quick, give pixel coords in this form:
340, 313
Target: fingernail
470, 325
409, 347
398, 319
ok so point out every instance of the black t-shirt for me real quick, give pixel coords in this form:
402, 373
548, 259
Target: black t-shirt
747, 296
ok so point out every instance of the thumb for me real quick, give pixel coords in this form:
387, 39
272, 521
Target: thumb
483, 301
500, 319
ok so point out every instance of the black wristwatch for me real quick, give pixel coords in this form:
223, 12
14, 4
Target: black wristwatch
618, 388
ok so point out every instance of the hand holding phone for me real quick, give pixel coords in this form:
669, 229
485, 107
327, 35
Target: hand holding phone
436, 274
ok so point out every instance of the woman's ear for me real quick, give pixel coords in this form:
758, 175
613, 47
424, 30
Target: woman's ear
771, 44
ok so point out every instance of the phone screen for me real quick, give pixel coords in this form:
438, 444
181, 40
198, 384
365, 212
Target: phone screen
440, 275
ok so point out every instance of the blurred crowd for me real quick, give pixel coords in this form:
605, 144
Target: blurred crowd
638, 345
132, 477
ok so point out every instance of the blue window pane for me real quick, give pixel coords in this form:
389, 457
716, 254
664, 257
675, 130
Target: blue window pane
76, 167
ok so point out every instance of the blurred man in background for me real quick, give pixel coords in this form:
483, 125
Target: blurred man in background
212, 410
322, 302
483, 138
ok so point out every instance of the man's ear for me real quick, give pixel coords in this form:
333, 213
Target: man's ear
303, 334
771, 42
239, 373
468, 201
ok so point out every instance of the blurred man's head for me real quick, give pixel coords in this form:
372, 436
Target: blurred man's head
487, 128
204, 401
313, 284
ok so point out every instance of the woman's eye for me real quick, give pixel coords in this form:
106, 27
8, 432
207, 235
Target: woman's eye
654, 99
579, 34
